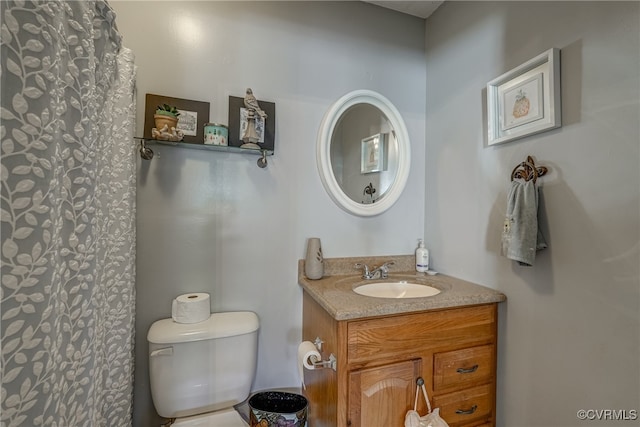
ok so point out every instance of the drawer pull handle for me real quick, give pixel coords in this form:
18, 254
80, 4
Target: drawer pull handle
467, 371
468, 411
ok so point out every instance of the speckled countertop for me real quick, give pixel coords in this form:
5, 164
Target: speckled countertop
334, 292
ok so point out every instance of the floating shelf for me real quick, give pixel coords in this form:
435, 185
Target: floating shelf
147, 154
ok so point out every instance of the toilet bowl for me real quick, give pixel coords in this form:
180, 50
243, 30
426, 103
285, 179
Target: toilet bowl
199, 371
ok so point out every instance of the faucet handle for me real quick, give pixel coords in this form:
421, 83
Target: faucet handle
384, 269
360, 265
365, 269
388, 264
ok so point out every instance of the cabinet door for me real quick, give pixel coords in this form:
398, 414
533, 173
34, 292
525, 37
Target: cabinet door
381, 396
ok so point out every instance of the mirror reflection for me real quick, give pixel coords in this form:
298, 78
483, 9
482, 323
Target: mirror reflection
364, 153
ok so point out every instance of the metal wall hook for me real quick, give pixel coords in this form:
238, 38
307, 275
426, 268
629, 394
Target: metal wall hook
528, 170
369, 189
145, 152
262, 161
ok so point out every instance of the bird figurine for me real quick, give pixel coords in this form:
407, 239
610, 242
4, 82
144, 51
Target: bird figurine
251, 103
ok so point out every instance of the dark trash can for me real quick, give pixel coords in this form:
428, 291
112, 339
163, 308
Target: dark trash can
278, 409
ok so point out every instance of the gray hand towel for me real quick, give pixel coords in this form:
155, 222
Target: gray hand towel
521, 237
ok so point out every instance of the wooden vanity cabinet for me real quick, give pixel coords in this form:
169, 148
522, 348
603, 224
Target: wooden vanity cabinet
380, 358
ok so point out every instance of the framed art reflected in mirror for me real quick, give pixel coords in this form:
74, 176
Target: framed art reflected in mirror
374, 154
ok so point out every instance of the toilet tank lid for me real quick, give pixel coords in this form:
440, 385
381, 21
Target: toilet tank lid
219, 325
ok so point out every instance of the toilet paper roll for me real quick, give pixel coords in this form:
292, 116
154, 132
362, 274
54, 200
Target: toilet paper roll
191, 308
307, 350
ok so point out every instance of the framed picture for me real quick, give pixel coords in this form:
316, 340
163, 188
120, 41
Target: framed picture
193, 116
525, 100
374, 154
265, 127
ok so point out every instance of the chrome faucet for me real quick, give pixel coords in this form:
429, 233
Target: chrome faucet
381, 272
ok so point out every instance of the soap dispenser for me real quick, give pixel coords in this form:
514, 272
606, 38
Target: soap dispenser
422, 258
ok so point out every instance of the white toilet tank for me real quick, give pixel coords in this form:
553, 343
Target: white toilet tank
201, 367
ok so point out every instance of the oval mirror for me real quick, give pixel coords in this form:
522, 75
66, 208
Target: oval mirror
363, 153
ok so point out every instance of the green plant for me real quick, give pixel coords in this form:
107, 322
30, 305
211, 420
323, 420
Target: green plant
167, 110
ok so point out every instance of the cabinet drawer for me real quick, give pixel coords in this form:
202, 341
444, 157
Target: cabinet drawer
464, 367
373, 339
463, 407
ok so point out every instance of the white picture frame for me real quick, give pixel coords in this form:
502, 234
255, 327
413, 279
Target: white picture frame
374, 154
525, 100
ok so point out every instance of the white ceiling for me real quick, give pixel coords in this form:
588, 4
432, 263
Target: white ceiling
421, 9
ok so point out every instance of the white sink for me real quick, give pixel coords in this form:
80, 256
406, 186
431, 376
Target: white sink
401, 289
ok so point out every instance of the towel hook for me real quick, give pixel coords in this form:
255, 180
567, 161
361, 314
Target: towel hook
529, 170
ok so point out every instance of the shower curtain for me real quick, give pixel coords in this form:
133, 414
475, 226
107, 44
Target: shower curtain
68, 216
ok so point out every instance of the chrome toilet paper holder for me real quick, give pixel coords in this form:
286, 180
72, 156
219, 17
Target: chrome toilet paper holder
321, 364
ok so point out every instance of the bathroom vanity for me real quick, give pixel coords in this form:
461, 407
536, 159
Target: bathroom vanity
382, 346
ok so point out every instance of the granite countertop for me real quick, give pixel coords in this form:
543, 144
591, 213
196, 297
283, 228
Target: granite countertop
334, 291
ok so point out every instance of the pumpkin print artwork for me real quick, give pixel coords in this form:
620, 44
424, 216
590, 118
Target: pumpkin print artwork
522, 105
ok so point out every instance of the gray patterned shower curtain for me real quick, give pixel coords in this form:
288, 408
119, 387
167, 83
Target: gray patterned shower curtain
67, 214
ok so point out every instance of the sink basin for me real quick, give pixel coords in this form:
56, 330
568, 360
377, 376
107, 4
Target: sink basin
401, 289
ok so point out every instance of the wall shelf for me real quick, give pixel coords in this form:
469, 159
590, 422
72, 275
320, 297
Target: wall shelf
147, 154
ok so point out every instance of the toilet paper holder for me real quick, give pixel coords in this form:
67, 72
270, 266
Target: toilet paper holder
320, 364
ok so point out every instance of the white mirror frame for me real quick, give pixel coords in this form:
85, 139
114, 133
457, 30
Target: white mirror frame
323, 152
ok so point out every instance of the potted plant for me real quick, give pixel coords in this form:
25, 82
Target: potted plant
166, 115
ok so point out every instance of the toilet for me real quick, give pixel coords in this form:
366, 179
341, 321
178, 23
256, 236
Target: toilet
199, 371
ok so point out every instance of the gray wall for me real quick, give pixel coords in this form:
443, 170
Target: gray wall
569, 331
215, 222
